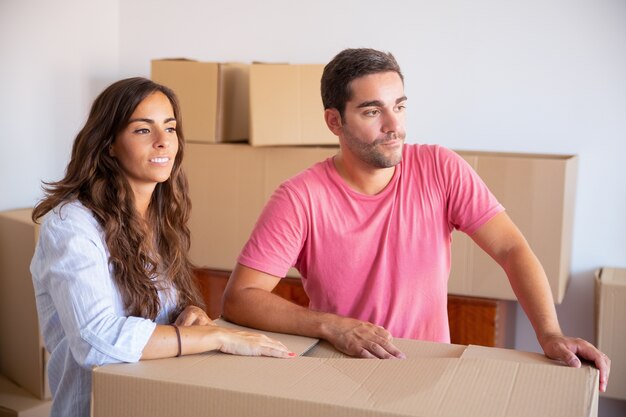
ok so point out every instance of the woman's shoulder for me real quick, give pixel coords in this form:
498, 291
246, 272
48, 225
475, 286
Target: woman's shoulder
71, 216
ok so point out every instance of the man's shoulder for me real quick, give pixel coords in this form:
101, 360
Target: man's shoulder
427, 153
314, 176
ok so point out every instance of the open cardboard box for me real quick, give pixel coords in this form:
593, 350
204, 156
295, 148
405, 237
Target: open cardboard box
435, 380
610, 316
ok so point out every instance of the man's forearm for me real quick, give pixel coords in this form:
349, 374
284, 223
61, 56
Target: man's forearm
261, 309
530, 284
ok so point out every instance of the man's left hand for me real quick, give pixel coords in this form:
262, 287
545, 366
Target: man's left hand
569, 350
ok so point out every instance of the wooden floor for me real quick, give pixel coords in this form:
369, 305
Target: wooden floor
475, 321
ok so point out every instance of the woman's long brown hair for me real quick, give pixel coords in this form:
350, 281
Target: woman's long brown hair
143, 261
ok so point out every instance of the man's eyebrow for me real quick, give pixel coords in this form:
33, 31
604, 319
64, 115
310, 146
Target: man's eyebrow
378, 103
372, 103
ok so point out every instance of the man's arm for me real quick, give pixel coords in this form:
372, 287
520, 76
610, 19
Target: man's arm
248, 300
503, 241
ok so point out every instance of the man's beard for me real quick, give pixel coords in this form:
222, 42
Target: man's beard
371, 153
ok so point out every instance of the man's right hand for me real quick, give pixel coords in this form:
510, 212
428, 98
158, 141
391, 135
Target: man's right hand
361, 339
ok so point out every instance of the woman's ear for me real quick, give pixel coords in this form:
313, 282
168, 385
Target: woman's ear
333, 121
111, 151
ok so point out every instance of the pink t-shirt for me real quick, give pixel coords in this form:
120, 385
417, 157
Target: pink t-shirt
383, 258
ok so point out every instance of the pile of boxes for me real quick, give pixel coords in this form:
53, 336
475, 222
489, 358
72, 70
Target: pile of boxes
249, 127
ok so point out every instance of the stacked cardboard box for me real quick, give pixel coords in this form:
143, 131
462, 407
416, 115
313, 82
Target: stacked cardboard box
17, 402
230, 184
266, 104
23, 356
435, 380
610, 316
214, 97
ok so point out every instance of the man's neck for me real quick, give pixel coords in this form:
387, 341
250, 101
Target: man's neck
361, 177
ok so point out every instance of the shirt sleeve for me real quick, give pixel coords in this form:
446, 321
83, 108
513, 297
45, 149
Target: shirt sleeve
278, 236
470, 203
71, 264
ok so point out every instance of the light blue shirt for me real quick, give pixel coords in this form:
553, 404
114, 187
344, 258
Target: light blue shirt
81, 313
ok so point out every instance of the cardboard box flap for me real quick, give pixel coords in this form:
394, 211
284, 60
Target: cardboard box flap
411, 348
16, 401
298, 344
481, 352
613, 276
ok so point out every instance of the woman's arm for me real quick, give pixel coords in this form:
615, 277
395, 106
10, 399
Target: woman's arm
201, 338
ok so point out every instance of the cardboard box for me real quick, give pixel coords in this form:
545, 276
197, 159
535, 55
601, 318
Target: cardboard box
538, 192
16, 402
229, 185
213, 97
23, 357
610, 334
286, 106
435, 380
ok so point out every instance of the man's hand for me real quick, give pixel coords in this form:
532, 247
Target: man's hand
569, 350
361, 339
193, 316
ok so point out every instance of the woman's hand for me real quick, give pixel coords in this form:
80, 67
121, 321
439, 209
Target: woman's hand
193, 315
251, 344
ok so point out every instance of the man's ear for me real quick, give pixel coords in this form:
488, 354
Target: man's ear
333, 121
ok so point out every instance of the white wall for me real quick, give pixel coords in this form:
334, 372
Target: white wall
55, 56
510, 75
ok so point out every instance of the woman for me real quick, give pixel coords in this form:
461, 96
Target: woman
111, 270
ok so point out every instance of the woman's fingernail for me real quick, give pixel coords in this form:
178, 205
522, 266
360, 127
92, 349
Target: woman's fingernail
292, 354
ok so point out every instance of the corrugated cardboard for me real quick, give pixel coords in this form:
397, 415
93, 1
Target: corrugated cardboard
538, 192
214, 97
286, 107
16, 402
23, 356
435, 380
230, 184
610, 325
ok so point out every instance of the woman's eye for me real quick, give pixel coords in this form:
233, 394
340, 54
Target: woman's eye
142, 131
171, 129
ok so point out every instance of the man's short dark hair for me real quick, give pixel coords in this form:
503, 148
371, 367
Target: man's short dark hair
348, 65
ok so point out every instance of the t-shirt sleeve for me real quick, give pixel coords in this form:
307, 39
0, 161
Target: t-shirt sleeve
278, 236
470, 203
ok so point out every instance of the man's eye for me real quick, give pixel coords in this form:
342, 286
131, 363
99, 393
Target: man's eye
373, 112
401, 107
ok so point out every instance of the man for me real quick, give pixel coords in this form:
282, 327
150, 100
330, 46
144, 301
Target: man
369, 231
